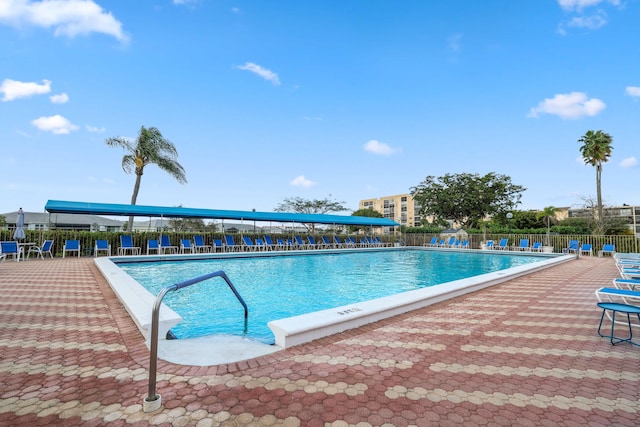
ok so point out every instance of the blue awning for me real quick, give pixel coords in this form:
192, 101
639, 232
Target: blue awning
61, 206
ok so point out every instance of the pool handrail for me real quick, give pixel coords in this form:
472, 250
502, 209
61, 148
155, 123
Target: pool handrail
153, 400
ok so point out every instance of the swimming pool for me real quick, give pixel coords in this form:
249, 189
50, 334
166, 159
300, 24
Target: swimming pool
292, 284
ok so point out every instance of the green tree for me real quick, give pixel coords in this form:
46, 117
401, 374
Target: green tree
548, 215
595, 150
150, 147
300, 205
466, 198
367, 212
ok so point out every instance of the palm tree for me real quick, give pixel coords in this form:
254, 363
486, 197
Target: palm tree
548, 214
596, 150
149, 148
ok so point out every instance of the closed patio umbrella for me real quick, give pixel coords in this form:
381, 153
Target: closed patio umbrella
19, 233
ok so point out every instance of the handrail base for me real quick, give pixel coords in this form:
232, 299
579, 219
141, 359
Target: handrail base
152, 405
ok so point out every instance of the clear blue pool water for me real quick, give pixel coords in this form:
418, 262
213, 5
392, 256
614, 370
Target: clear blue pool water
277, 287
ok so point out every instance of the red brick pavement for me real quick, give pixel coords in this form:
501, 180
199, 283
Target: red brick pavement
521, 353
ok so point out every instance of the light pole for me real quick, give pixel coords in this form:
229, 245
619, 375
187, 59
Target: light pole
509, 216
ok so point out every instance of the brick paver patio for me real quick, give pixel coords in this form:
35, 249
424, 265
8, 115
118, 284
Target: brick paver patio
521, 353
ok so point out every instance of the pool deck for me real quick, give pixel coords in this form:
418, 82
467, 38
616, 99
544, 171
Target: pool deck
524, 352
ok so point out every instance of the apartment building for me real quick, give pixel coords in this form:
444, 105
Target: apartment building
629, 214
399, 208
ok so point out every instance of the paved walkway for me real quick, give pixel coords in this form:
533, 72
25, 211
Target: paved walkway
521, 353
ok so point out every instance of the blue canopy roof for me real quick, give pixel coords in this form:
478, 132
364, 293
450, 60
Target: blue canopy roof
61, 206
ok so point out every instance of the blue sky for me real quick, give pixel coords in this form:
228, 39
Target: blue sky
346, 100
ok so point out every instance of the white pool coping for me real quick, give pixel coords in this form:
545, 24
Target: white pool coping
295, 330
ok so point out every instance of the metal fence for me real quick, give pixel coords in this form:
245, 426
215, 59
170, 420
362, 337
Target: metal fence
559, 242
88, 238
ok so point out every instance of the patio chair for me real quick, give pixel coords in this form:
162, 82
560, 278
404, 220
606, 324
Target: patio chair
71, 246
269, 245
339, 243
503, 244
312, 242
199, 245
464, 244
573, 247
102, 246
217, 245
11, 248
281, 244
46, 248
126, 246
586, 249
299, 243
186, 246
247, 244
165, 245
433, 242
489, 244
260, 244
607, 248
536, 247
524, 245
153, 245
326, 243
230, 244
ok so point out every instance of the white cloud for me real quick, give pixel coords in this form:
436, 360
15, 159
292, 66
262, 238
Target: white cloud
377, 147
301, 181
66, 17
629, 162
581, 4
569, 106
262, 72
62, 98
90, 128
13, 89
592, 22
633, 90
55, 124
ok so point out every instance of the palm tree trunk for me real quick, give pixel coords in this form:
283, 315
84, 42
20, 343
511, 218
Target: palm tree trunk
134, 198
600, 219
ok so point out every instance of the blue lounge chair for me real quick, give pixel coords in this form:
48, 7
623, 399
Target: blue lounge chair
269, 245
281, 244
503, 244
312, 242
126, 246
165, 245
524, 245
11, 248
199, 245
102, 245
230, 244
433, 242
586, 249
217, 244
326, 243
339, 243
490, 244
247, 244
46, 248
153, 245
573, 247
536, 247
186, 246
464, 244
378, 241
350, 242
299, 243
71, 246
607, 248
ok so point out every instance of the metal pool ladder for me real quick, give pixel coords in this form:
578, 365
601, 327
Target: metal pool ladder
153, 400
